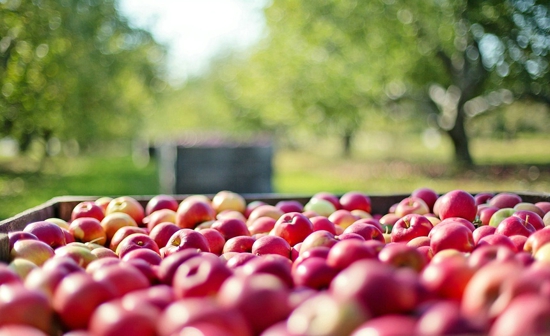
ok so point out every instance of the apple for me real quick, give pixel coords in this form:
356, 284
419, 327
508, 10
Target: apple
451, 236
113, 222
261, 225
136, 241
228, 200
410, 226
200, 277
376, 286
186, 239
87, 209
411, 205
261, 298
76, 298
323, 314
320, 207
127, 205
193, 211
47, 232
322, 223
159, 202
159, 216
23, 306
162, 232
36, 251
116, 318
231, 227
293, 227
457, 203
215, 240
505, 200
271, 245
88, 229
122, 233
289, 206
239, 244
402, 255
387, 325
327, 196
342, 218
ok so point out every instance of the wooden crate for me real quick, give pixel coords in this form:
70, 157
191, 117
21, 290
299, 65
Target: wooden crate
61, 207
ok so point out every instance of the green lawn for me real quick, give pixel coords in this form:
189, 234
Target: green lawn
377, 167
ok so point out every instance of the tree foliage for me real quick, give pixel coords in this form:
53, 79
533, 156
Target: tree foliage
73, 69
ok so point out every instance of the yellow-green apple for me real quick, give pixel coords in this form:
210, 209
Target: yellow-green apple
186, 239
76, 298
215, 239
271, 244
387, 325
410, 226
322, 223
88, 229
343, 218
457, 203
230, 227
482, 231
525, 315
87, 209
162, 232
47, 232
116, 318
319, 207
289, 206
451, 236
483, 197
505, 200
200, 277
353, 200
327, 196
239, 244
293, 227
23, 306
228, 200
485, 254
411, 205
159, 202
261, 225
402, 255
376, 286
261, 298
428, 195
122, 233
193, 211
444, 317
127, 205
33, 250
136, 241
112, 222
515, 225
159, 216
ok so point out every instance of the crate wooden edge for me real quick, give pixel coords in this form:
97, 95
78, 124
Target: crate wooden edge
62, 206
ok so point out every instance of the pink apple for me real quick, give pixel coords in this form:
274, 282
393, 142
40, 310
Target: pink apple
457, 203
160, 202
87, 209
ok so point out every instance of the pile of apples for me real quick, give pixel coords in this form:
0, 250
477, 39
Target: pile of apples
455, 263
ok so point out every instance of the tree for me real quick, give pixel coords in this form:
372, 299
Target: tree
73, 69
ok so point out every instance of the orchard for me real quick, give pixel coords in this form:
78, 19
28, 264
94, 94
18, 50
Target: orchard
223, 265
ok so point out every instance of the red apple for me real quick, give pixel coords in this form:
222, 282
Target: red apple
293, 227
186, 239
88, 229
353, 200
192, 211
410, 226
160, 202
87, 209
162, 232
457, 203
127, 205
47, 232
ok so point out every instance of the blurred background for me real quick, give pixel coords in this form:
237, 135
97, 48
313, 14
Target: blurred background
98, 97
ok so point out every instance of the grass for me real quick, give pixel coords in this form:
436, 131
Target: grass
381, 164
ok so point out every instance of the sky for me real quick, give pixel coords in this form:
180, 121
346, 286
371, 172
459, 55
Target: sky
197, 30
